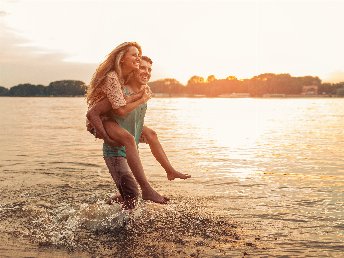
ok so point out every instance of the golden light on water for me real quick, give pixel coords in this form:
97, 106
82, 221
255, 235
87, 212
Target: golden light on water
255, 129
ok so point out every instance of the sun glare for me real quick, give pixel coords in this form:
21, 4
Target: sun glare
223, 38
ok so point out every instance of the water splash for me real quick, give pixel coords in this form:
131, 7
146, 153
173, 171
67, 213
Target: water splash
150, 229
61, 226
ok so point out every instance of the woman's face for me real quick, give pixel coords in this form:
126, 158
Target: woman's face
131, 59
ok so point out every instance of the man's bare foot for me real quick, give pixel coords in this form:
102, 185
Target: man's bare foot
116, 198
175, 174
129, 204
154, 196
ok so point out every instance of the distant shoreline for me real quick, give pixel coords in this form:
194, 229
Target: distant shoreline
263, 85
199, 96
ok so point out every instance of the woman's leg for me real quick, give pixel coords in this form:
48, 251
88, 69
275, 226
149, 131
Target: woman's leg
158, 152
123, 137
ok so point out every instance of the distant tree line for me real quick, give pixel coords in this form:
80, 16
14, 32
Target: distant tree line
57, 88
257, 86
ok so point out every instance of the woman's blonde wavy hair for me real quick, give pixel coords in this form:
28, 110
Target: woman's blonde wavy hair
112, 62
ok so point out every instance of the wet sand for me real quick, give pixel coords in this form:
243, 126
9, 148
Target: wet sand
71, 219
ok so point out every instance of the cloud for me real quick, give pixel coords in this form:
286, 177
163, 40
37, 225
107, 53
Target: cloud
3, 13
22, 64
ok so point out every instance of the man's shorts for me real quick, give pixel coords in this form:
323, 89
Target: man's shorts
124, 179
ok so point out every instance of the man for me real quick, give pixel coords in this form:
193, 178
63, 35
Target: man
131, 118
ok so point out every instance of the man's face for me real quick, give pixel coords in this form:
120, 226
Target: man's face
144, 73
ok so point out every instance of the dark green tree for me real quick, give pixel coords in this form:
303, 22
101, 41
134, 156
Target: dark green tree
3, 91
27, 90
66, 88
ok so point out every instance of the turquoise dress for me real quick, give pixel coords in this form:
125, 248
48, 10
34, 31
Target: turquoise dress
133, 123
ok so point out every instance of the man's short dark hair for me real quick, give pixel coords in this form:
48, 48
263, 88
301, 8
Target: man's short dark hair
147, 59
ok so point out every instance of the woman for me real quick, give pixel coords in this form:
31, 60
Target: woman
107, 82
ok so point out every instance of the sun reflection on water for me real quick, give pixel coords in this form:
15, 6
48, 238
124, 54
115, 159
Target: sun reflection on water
246, 137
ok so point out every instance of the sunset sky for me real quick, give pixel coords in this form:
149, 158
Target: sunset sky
47, 40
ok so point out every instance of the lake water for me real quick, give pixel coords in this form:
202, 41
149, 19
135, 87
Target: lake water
267, 180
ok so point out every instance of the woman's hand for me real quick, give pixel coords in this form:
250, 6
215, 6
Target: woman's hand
145, 97
148, 90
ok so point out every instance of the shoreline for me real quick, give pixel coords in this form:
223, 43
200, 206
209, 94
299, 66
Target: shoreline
277, 96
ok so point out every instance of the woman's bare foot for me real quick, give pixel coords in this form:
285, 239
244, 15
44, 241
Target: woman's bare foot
154, 196
116, 198
175, 174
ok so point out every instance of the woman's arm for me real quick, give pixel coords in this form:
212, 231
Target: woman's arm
125, 110
134, 97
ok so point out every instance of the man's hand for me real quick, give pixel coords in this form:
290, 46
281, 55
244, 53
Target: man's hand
97, 134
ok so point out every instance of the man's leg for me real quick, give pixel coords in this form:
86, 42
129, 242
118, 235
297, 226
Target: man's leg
124, 180
151, 137
121, 135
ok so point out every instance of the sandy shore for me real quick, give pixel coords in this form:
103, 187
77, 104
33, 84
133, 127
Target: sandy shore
62, 219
